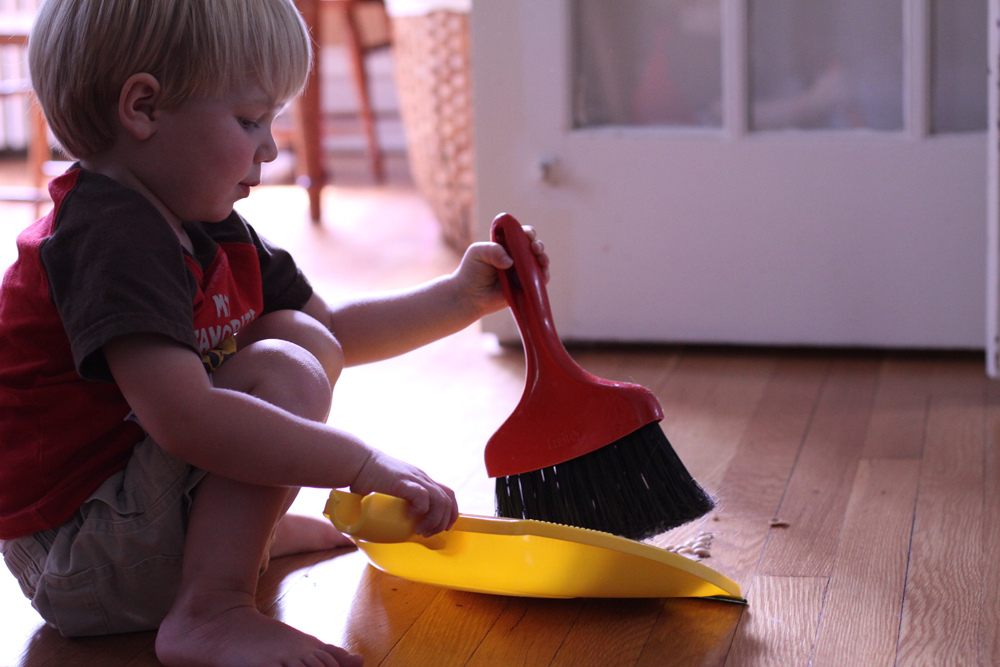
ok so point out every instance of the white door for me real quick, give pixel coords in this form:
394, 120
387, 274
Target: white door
742, 171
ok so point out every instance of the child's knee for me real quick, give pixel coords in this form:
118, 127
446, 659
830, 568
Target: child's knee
317, 339
281, 373
301, 329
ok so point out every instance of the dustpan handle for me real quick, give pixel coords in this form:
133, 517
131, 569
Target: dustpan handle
524, 287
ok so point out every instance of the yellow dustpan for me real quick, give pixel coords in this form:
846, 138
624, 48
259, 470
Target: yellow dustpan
518, 557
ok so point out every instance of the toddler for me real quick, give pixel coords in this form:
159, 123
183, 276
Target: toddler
166, 373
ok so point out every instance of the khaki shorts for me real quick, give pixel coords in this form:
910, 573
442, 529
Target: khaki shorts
116, 565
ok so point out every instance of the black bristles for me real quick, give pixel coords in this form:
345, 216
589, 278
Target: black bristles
636, 487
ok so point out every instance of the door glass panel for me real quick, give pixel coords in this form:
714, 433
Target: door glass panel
836, 64
647, 62
958, 81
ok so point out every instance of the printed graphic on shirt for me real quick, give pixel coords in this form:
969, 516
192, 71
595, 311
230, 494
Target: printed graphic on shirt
211, 337
228, 299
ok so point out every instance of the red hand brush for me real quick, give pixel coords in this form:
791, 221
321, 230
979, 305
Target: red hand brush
580, 450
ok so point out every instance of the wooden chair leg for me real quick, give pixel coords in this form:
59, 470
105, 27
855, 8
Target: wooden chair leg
38, 145
356, 56
39, 151
309, 137
310, 133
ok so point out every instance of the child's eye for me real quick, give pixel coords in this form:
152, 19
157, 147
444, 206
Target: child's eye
249, 123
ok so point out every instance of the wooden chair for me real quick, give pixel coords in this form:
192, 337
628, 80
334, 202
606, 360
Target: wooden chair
309, 133
14, 30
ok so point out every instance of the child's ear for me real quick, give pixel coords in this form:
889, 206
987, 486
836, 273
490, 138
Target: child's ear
138, 104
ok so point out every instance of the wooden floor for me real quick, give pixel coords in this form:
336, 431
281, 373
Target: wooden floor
855, 491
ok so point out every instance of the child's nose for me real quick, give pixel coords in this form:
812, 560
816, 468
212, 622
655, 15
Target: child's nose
268, 149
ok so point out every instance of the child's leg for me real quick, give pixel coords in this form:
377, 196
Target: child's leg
214, 618
294, 533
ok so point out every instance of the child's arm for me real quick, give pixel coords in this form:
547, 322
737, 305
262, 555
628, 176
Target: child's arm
241, 437
387, 325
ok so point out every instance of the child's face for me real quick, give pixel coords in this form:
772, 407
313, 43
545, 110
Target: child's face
209, 153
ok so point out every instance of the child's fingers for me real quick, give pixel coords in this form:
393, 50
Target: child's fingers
496, 256
441, 515
418, 497
536, 246
430, 524
450, 516
539, 249
434, 521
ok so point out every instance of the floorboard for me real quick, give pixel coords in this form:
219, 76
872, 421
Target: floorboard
383, 609
779, 626
899, 415
528, 632
449, 631
820, 485
989, 624
608, 632
756, 479
691, 633
944, 583
860, 622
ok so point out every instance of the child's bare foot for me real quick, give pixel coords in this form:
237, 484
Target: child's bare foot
227, 630
296, 534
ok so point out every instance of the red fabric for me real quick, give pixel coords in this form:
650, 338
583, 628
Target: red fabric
62, 435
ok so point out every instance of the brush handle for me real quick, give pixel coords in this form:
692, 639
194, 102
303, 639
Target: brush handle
565, 412
524, 287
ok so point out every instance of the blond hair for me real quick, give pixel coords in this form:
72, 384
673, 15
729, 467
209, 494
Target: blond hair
81, 52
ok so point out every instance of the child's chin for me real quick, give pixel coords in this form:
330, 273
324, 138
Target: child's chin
217, 215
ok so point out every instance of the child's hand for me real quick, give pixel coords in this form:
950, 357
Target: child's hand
433, 503
478, 271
